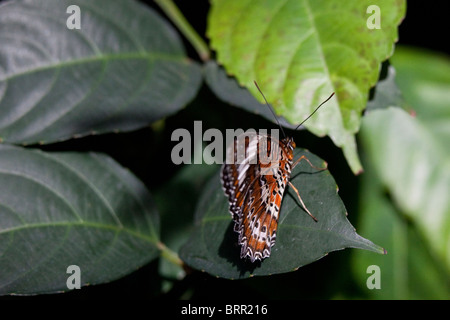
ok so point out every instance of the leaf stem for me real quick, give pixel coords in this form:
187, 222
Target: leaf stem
170, 255
175, 15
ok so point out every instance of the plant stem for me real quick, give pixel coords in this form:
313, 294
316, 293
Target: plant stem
170, 255
175, 15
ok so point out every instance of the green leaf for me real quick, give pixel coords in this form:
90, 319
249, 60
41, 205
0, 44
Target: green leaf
62, 209
123, 69
300, 241
408, 157
409, 271
300, 51
415, 168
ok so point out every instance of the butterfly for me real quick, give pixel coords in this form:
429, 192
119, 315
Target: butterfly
254, 177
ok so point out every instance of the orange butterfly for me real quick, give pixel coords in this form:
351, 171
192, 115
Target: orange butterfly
255, 187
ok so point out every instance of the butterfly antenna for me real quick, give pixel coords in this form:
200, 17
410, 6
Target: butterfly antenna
315, 111
271, 110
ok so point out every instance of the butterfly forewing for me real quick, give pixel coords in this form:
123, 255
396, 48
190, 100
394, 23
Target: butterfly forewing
254, 176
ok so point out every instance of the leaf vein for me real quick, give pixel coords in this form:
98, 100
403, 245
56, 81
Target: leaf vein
30, 178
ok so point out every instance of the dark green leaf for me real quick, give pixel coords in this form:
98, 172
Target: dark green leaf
125, 68
387, 93
300, 241
62, 209
227, 89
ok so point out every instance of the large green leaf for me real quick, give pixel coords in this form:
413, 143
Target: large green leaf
125, 68
213, 244
301, 51
424, 78
415, 167
409, 158
62, 209
410, 270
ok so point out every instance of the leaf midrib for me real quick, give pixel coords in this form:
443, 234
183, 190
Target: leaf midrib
84, 223
316, 32
101, 58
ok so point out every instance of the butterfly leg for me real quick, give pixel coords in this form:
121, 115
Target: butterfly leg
312, 166
301, 201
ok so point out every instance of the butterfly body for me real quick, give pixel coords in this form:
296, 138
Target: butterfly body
255, 190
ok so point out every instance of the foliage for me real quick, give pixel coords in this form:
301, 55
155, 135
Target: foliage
407, 156
127, 68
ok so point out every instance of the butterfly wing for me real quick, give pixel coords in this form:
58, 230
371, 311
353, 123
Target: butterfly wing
238, 173
255, 190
